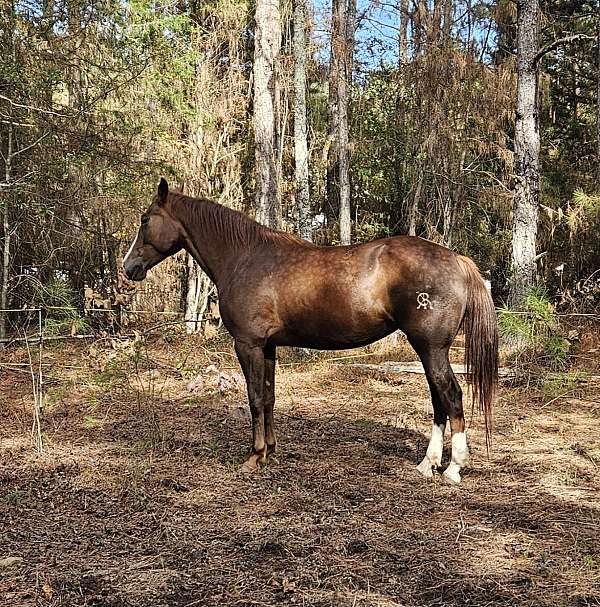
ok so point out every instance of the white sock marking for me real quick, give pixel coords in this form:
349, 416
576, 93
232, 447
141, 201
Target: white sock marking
436, 444
425, 468
460, 451
452, 473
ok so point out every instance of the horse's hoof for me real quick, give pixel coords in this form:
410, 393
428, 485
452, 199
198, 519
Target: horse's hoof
425, 468
250, 466
452, 477
247, 469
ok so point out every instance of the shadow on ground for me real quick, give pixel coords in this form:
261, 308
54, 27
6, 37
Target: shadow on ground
145, 507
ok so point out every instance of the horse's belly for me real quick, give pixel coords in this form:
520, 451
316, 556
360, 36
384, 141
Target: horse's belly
342, 305
332, 333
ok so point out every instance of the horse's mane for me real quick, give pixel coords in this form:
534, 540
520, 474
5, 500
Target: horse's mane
230, 226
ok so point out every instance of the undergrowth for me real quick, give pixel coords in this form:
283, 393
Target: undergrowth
59, 298
534, 331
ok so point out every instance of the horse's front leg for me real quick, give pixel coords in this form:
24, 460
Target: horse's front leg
269, 399
252, 361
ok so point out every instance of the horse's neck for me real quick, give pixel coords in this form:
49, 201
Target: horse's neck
212, 245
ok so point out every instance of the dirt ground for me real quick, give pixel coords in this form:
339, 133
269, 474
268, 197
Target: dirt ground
138, 500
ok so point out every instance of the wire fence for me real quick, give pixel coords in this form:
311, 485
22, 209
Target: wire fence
32, 334
122, 318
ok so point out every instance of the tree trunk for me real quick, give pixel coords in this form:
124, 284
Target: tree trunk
196, 301
414, 207
419, 25
8, 160
598, 111
344, 177
435, 22
267, 43
343, 45
333, 117
300, 129
469, 12
527, 149
448, 13
6, 232
403, 37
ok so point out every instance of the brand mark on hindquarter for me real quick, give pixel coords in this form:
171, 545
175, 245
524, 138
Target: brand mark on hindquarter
423, 302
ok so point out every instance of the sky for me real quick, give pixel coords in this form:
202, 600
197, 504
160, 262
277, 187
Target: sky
376, 37
379, 26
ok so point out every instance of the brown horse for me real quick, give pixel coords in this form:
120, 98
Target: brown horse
277, 290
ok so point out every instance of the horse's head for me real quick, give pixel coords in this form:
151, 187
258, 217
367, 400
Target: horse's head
158, 237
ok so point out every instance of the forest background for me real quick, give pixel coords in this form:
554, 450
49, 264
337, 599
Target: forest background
471, 123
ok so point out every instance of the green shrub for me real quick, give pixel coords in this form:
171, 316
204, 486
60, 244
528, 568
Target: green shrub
60, 300
535, 329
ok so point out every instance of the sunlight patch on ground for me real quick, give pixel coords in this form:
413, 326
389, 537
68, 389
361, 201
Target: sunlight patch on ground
141, 492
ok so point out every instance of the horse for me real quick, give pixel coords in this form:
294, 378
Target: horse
276, 290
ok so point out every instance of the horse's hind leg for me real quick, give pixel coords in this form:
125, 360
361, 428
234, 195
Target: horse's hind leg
446, 396
433, 456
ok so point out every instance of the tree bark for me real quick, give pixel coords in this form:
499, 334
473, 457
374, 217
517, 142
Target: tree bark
527, 149
414, 207
343, 47
8, 160
598, 110
196, 301
333, 117
300, 128
448, 12
435, 22
6, 232
344, 177
403, 37
420, 16
267, 43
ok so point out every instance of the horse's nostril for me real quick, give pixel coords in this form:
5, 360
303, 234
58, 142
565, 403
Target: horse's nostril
135, 272
129, 271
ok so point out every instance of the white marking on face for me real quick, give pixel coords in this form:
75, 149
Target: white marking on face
423, 301
460, 450
436, 444
130, 249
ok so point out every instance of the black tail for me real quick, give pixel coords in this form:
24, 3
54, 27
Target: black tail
481, 343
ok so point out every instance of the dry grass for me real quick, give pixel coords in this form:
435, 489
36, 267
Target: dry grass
137, 500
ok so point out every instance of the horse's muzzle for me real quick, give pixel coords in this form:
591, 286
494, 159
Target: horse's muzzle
135, 272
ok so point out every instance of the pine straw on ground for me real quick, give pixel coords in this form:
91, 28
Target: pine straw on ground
138, 499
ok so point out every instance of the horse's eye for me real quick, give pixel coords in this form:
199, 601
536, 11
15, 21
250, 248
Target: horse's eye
145, 219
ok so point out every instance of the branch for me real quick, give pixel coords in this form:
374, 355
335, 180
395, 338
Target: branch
7, 185
566, 40
31, 144
23, 124
31, 107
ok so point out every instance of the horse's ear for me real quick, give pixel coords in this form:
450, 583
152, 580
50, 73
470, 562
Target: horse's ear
163, 190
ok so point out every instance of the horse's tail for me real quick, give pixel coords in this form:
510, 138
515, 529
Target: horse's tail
481, 342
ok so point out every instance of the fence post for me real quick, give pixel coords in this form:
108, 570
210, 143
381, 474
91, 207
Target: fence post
40, 356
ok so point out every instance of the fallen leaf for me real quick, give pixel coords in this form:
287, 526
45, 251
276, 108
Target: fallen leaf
10, 561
